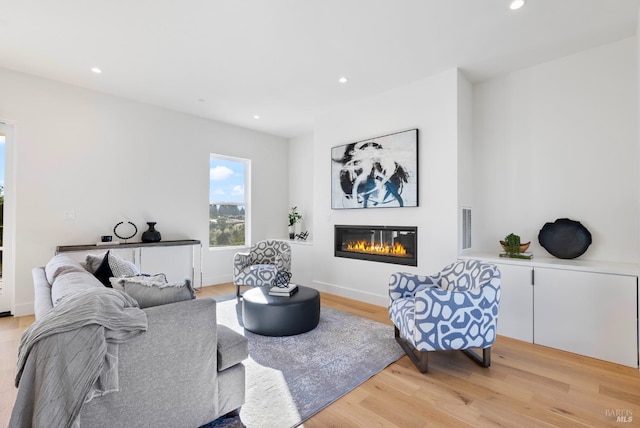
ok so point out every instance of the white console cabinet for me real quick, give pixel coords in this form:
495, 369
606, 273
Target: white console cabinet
516, 302
582, 307
588, 313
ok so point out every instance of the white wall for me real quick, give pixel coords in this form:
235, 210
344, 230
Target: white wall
301, 180
555, 140
560, 140
466, 176
109, 160
429, 105
638, 136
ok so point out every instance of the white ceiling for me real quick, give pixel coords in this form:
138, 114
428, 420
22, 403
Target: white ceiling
281, 59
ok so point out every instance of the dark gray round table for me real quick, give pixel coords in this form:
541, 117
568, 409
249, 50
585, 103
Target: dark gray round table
280, 315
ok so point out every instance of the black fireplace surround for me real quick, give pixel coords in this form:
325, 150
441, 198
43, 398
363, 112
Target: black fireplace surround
387, 244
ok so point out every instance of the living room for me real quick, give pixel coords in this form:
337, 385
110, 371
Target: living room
64, 133
552, 139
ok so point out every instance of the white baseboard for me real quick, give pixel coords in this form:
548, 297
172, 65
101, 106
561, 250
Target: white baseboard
23, 309
350, 293
217, 279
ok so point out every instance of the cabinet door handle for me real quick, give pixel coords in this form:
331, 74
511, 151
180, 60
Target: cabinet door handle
533, 277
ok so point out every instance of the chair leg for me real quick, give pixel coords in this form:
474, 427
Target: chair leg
418, 358
237, 290
484, 361
232, 413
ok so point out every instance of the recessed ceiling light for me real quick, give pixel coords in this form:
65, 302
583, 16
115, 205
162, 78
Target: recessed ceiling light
516, 4
343, 80
96, 70
255, 116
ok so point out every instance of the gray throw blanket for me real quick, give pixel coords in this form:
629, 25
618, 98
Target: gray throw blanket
70, 355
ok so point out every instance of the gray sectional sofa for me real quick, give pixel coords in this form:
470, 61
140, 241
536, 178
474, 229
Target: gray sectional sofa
185, 370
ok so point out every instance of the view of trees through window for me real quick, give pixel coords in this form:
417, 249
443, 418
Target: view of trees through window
226, 225
227, 201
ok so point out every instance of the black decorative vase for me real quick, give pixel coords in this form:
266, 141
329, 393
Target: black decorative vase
151, 235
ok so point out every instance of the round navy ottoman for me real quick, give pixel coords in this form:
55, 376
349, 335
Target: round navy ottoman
280, 315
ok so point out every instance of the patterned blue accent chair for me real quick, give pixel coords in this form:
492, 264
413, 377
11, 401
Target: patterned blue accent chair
455, 309
259, 266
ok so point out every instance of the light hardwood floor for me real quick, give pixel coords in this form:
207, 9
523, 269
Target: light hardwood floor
526, 386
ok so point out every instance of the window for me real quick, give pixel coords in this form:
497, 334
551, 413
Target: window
2, 156
228, 201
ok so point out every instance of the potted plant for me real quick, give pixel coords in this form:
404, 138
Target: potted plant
513, 247
294, 217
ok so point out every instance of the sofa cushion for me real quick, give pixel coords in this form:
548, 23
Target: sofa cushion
155, 290
233, 348
92, 261
60, 265
118, 283
119, 266
72, 282
158, 280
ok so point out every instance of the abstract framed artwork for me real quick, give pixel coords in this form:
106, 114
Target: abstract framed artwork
381, 172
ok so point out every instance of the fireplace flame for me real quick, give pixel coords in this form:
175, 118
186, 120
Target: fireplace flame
371, 248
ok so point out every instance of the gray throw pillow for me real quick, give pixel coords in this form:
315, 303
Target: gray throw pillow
93, 261
155, 290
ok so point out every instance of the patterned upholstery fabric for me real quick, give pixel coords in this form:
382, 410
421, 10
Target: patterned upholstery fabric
455, 309
259, 266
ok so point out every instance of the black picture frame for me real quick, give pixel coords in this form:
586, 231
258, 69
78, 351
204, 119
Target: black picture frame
380, 172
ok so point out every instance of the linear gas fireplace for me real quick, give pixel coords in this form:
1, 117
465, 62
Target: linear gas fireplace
387, 244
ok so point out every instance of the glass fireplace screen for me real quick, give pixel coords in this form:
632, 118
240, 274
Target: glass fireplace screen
387, 244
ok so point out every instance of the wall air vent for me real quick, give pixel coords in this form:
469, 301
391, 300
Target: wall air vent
466, 228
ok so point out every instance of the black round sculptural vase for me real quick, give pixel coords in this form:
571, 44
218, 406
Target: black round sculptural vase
151, 235
565, 238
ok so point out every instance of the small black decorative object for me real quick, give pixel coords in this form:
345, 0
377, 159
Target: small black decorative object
282, 279
151, 235
565, 238
135, 230
302, 236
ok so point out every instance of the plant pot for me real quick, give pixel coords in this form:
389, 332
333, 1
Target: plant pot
292, 232
521, 249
